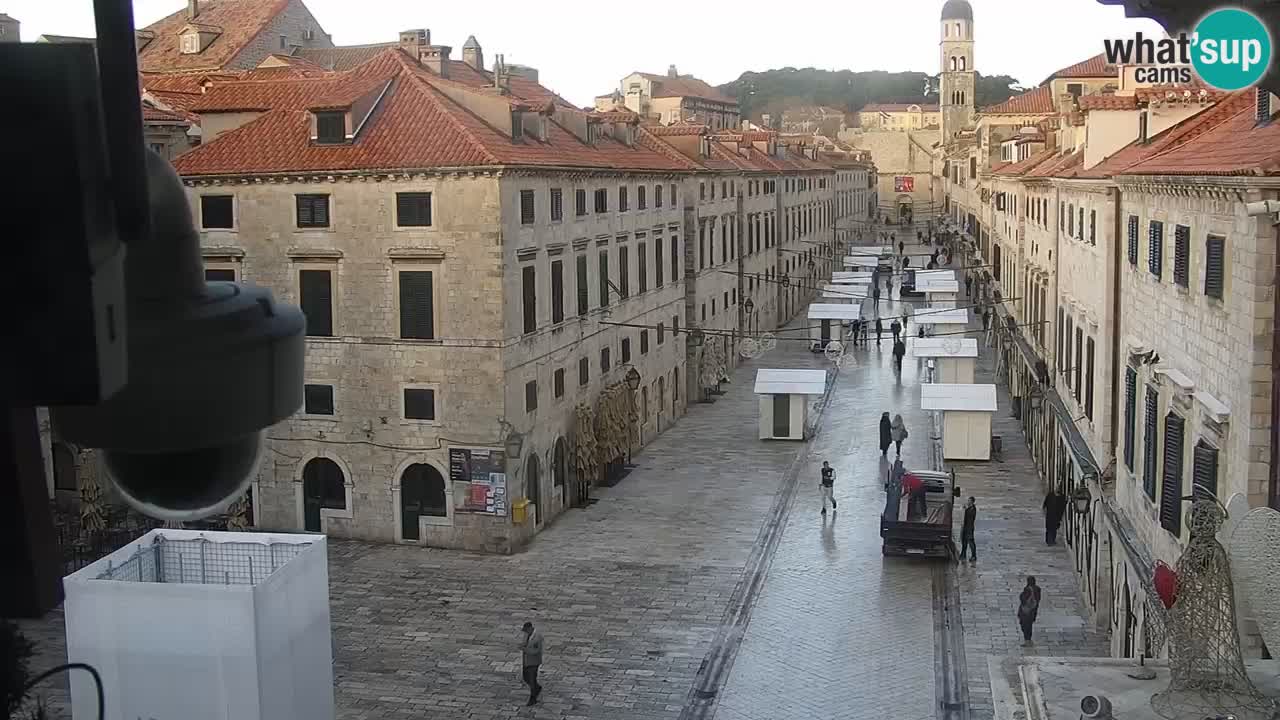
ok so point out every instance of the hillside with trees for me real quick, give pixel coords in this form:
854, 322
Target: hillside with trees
773, 91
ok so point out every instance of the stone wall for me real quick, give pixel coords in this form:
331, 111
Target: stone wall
293, 25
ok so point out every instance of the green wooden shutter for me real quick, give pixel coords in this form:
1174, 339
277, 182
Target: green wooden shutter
1171, 481
1204, 471
316, 290
1133, 239
1130, 414
417, 305
1149, 441
1155, 241
1214, 266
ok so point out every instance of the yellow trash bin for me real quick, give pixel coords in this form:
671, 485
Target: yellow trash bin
520, 511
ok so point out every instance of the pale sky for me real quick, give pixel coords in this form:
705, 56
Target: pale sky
583, 48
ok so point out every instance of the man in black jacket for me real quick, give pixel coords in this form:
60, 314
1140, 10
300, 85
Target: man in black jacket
967, 545
1055, 506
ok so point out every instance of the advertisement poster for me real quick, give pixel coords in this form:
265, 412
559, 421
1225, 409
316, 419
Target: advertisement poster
904, 183
479, 480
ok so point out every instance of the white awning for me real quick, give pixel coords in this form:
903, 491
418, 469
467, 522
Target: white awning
847, 293
933, 285
855, 275
944, 347
931, 275
834, 311
959, 397
938, 316
791, 382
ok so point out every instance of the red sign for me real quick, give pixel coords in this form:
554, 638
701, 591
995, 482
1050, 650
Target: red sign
904, 183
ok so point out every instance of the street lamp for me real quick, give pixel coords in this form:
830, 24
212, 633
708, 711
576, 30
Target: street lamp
697, 337
749, 306
633, 379
1081, 500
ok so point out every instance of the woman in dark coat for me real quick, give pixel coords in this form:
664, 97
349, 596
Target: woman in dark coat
886, 435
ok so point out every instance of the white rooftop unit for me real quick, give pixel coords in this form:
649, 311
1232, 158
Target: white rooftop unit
784, 401
204, 626
966, 417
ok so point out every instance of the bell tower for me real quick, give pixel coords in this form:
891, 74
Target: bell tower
957, 77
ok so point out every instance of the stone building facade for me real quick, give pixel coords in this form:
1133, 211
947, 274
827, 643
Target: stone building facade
672, 98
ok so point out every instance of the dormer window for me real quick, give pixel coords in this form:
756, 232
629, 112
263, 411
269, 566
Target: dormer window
191, 43
195, 37
331, 127
517, 125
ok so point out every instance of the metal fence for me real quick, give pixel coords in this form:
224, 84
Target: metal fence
80, 547
202, 561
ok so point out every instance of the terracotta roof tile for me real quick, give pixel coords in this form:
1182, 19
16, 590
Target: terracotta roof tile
185, 82
1108, 102
1033, 102
343, 58
239, 20
294, 93
686, 86
151, 113
675, 130
1228, 143
1161, 93
1094, 67
1022, 167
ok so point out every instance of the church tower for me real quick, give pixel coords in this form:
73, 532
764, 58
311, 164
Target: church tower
958, 79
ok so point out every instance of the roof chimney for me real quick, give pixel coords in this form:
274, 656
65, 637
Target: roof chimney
193, 9
411, 40
472, 54
436, 58
671, 69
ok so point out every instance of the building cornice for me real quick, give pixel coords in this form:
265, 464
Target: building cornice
1221, 187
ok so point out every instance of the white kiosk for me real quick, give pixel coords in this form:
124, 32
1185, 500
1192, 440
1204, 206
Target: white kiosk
850, 278
938, 292
784, 401
952, 319
953, 357
854, 294
966, 417
866, 261
826, 323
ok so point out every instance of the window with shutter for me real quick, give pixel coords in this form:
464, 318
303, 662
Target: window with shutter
313, 211
331, 127
1204, 471
531, 396
1155, 241
557, 291
529, 297
584, 371
580, 202
1171, 480
1058, 342
419, 404
317, 399
642, 200
1130, 414
316, 298
557, 205
624, 273
417, 305
219, 275
702, 245
657, 196
584, 298
1066, 359
1093, 227
1133, 239
1149, 443
558, 383
604, 278
1215, 250
675, 326
1079, 366
602, 201
1088, 379
1182, 255
413, 209
662, 333
526, 207
644, 342
624, 202
642, 268
658, 270
217, 212
604, 359
1080, 224
675, 259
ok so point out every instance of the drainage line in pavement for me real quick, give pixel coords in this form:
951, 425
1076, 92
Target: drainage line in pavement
715, 667
949, 661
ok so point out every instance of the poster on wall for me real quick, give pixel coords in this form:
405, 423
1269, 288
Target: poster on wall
904, 183
479, 480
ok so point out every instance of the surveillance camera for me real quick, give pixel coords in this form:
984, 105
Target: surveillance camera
209, 367
1263, 207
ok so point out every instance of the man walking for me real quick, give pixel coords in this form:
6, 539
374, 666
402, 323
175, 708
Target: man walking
1028, 608
879, 326
531, 652
966, 531
968, 284
1055, 506
986, 320
827, 487
896, 329
899, 350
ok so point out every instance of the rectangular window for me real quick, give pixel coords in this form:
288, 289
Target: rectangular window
604, 278
557, 384
624, 274
419, 404
624, 202
1171, 479
584, 372
531, 396
1066, 360
413, 209
602, 201
1182, 255
557, 291
317, 399
1133, 240
557, 205
580, 202
662, 333
1130, 414
217, 212
417, 305
604, 359
657, 196
526, 207
316, 298
1058, 348
1079, 367
1149, 443
1080, 224
973, 167
1088, 379
675, 324
658, 269
641, 200
1215, 251
584, 295
219, 275
1071, 220
331, 127
1155, 249
642, 268
529, 297
673, 194
1204, 471
313, 211
644, 342
702, 191
702, 245
1093, 227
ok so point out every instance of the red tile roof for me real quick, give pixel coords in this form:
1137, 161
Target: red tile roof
898, 107
239, 20
686, 86
151, 113
1228, 143
1094, 67
1033, 102
343, 58
1108, 102
1022, 167
678, 129
1161, 93
1064, 166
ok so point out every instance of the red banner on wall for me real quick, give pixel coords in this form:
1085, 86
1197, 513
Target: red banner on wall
904, 183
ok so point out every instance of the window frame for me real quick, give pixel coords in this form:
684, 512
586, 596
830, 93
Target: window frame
233, 226
434, 389
333, 400
332, 270
299, 198
430, 206
434, 329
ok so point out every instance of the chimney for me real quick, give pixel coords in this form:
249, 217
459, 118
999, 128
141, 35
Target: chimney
412, 40
193, 9
671, 69
436, 58
472, 54
500, 83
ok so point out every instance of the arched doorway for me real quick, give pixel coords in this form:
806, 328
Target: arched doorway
323, 486
906, 209
560, 468
532, 486
422, 492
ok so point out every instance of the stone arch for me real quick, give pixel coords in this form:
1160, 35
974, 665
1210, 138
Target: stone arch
953, 62
560, 463
324, 487
963, 63
421, 489
325, 510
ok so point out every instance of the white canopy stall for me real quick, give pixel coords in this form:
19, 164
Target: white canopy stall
854, 294
952, 318
953, 357
841, 277
938, 292
867, 261
784, 401
826, 322
966, 417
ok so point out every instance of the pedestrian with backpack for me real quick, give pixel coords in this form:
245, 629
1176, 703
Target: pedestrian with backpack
1028, 608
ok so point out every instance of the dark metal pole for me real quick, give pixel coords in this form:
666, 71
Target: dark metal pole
29, 567
122, 115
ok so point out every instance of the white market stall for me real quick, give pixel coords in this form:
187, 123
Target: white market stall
953, 357
966, 417
938, 292
784, 401
204, 626
951, 319
826, 322
867, 261
854, 294
850, 278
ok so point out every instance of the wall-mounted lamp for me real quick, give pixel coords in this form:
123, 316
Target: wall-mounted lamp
1081, 500
697, 337
749, 306
1151, 357
633, 379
